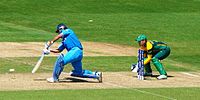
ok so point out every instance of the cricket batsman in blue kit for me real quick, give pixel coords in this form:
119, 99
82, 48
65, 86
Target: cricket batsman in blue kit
71, 43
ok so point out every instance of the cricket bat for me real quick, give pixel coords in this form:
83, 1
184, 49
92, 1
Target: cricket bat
38, 63
41, 59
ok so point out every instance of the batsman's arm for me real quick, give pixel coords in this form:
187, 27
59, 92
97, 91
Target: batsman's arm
57, 37
55, 51
59, 49
49, 43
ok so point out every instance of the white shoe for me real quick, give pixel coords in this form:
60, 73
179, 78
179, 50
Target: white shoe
99, 74
162, 77
51, 80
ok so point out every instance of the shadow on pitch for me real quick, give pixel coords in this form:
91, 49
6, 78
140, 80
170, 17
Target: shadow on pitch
159, 75
154, 77
70, 80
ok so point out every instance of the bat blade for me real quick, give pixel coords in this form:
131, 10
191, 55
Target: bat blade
38, 63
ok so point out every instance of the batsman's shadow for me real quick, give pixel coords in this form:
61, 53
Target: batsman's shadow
75, 80
69, 80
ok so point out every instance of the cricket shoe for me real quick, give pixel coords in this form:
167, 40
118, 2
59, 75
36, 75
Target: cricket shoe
51, 80
161, 77
99, 74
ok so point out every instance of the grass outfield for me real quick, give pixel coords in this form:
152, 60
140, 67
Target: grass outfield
114, 21
105, 64
108, 94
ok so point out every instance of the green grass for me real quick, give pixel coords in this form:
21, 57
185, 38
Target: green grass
114, 21
22, 64
106, 94
105, 64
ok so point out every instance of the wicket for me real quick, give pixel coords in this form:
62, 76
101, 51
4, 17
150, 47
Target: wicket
140, 64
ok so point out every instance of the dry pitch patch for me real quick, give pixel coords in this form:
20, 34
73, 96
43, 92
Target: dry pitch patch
28, 81
34, 49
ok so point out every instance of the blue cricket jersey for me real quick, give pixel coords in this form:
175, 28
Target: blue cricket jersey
69, 40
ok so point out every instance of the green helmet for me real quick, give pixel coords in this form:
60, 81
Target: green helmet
141, 37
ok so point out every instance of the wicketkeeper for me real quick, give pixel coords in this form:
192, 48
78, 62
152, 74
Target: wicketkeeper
71, 43
154, 51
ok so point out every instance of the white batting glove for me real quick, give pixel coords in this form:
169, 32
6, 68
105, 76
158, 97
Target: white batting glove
46, 51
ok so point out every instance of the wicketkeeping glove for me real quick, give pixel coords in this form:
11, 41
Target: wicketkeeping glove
134, 67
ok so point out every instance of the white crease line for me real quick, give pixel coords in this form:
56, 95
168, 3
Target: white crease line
154, 94
22, 62
26, 63
141, 91
189, 74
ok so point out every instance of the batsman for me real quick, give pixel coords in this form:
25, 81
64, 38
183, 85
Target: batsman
154, 52
71, 43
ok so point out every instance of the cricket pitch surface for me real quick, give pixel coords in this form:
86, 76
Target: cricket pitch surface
37, 81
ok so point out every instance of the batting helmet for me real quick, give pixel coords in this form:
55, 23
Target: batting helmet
141, 37
60, 26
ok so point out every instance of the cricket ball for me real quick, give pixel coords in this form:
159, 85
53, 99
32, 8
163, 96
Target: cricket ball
90, 20
11, 70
